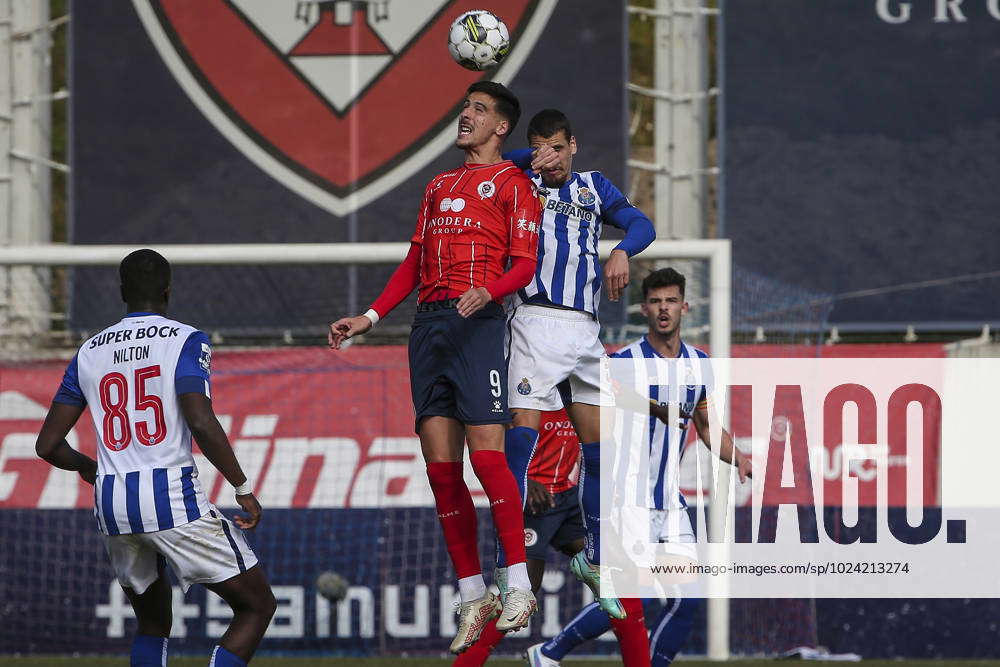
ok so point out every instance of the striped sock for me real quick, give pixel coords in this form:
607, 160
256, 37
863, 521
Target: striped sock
223, 658
590, 499
671, 630
518, 446
149, 651
590, 623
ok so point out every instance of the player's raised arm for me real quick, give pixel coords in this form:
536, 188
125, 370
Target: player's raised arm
533, 160
618, 211
66, 408
404, 279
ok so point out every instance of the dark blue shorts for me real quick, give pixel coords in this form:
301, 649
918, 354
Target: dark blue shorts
457, 366
558, 526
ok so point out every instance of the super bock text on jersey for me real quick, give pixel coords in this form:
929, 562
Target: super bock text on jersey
666, 441
130, 375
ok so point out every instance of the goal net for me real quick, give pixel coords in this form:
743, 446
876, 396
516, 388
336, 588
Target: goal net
328, 438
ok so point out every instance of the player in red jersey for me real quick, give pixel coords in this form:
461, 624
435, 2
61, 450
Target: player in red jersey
553, 518
473, 219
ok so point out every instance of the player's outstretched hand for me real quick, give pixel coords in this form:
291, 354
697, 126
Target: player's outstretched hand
616, 273
345, 328
539, 498
252, 508
544, 157
473, 301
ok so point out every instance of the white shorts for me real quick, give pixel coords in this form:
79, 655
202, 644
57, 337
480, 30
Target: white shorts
547, 346
205, 551
673, 527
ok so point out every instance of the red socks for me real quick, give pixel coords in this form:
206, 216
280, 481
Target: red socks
631, 634
478, 653
457, 515
505, 501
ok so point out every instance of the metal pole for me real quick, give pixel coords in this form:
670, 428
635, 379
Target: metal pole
680, 123
720, 270
26, 209
59, 254
662, 123
6, 116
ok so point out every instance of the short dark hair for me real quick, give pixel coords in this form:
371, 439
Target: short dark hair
547, 122
145, 276
663, 278
507, 103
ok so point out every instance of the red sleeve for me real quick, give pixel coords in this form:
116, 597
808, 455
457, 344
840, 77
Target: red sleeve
522, 270
402, 282
524, 215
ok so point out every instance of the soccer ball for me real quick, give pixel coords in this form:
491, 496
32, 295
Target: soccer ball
478, 40
332, 586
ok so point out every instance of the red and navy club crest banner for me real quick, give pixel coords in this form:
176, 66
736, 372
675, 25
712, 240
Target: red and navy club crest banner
270, 121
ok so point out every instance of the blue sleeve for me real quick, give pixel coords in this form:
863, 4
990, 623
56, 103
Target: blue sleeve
194, 365
618, 211
520, 157
69, 390
707, 377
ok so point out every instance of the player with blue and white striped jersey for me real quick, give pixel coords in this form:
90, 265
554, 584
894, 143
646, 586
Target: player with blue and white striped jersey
146, 381
664, 307
553, 332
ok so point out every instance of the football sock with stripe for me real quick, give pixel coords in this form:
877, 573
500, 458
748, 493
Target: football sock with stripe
518, 446
672, 628
590, 499
590, 623
148, 651
223, 658
457, 515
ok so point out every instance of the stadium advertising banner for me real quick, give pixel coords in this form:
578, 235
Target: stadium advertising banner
860, 144
256, 121
344, 489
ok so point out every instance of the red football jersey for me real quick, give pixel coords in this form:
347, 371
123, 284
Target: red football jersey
471, 221
557, 455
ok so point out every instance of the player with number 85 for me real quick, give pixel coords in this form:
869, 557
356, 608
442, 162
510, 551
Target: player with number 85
146, 380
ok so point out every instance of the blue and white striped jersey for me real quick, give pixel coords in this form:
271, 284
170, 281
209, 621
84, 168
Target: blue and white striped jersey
569, 272
666, 443
130, 375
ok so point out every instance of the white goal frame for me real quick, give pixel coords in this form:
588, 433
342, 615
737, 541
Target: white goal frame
717, 252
